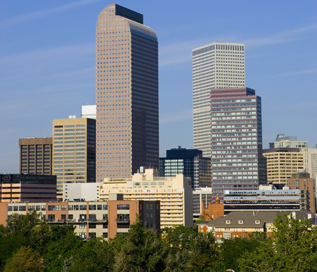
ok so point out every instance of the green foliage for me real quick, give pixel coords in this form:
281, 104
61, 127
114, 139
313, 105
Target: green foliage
94, 255
61, 250
10, 245
292, 247
25, 260
141, 251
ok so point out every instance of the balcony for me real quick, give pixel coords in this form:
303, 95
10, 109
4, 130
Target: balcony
119, 220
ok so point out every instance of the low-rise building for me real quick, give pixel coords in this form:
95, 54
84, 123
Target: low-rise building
266, 200
302, 181
91, 219
201, 198
174, 193
86, 191
33, 188
242, 223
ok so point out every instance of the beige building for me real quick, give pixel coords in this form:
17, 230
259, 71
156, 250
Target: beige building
283, 141
74, 149
312, 162
91, 219
174, 193
126, 94
215, 65
281, 163
36, 156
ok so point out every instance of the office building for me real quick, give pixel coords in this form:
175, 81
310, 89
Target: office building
291, 142
302, 181
36, 156
85, 191
91, 219
201, 198
74, 151
187, 162
88, 111
236, 142
27, 187
216, 65
312, 162
266, 200
281, 163
126, 94
174, 193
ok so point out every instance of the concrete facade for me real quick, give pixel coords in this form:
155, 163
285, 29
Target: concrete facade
91, 219
126, 94
175, 195
86, 191
281, 163
236, 143
20, 187
216, 65
36, 156
74, 151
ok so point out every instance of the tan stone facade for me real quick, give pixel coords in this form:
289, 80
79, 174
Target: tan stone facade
91, 219
74, 151
174, 194
36, 156
126, 94
282, 163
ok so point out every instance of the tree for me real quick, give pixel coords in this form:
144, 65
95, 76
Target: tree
94, 255
292, 247
8, 246
61, 250
25, 260
141, 251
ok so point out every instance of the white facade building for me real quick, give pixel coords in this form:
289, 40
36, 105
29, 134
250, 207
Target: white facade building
312, 162
88, 111
216, 65
86, 191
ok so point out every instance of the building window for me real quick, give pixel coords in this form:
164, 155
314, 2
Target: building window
92, 207
51, 217
63, 216
257, 221
70, 217
105, 235
51, 207
9, 208
228, 221
105, 225
123, 207
240, 221
92, 225
83, 207
82, 235
82, 225
92, 235
22, 208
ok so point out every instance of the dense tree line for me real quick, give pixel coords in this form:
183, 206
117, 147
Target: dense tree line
29, 244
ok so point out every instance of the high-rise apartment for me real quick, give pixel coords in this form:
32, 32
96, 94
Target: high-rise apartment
126, 93
36, 156
216, 65
74, 151
236, 142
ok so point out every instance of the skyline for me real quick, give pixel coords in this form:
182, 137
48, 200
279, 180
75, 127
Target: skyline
53, 73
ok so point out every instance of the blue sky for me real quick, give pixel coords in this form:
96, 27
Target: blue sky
47, 63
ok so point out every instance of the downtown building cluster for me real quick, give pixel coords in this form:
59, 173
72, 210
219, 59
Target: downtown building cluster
111, 154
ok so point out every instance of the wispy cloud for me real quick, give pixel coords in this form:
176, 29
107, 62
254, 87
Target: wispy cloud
176, 117
177, 53
303, 72
44, 13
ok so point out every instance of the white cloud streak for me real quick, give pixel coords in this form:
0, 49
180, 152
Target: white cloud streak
178, 53
44, 13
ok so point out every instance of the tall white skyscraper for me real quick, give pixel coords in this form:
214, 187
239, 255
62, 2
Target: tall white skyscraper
216, 65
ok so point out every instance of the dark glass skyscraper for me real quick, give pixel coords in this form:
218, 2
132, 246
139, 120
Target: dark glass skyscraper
188, 162
126, 93
236, 143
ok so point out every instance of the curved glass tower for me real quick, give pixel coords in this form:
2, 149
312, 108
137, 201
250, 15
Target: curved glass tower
126, 94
